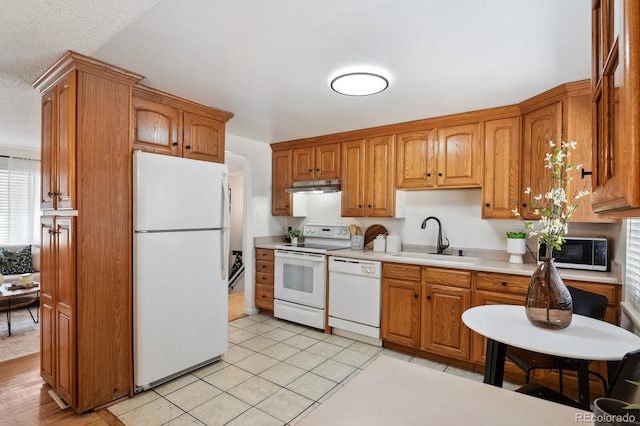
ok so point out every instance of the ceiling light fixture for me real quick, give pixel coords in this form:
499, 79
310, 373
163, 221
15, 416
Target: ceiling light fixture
359, 84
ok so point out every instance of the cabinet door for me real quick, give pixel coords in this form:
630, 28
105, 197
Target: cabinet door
401, 312
416, 160
538, 128
302, 164
442, 329
47, 302
380, 192
66, 145
616, 89
66, 308
281, 179
48, 149
327, 161
478, 341
501, 187
460, 156
353, 178
156, 127
203, 138
577, 126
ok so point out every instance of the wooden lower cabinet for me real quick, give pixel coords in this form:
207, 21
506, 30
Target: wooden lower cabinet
422, 308
445, 296
264, 279
401, 304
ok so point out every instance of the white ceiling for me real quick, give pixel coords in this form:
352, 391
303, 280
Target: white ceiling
270, 61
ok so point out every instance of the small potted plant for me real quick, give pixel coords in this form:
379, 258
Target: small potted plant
293, 235
516, 246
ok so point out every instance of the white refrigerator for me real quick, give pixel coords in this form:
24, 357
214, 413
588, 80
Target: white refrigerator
180, 266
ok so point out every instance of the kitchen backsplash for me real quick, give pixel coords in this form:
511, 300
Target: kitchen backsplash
458, 210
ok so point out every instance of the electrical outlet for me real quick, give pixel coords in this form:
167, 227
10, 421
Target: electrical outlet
518, 228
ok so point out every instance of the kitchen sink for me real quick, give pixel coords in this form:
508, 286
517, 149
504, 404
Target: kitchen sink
433, 258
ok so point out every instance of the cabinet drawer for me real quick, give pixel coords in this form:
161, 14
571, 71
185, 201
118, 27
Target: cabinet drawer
449, 277
264, 254
264, 296
402, 271
503, 283
266, 267
609, 290
265, 279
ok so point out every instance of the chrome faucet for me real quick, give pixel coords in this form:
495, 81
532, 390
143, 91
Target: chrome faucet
440, 245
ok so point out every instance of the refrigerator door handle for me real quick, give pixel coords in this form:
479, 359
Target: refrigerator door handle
224, 252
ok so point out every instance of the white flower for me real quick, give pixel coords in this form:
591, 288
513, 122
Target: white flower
553, 208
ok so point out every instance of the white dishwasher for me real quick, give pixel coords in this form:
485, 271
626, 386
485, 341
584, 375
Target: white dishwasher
354, 297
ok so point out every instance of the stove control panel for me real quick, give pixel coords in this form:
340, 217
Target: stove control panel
339, 232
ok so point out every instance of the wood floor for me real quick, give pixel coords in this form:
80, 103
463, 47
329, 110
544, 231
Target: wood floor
236, 306
25, 399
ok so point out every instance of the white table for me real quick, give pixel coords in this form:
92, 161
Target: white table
6, 294
394, 392
585, 340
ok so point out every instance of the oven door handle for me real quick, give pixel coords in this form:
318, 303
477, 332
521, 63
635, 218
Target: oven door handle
313, 257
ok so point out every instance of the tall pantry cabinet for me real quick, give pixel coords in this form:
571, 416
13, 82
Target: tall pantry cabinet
86, 230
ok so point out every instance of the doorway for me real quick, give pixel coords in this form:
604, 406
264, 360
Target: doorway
236, 164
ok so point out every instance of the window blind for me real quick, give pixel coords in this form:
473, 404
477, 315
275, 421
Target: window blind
632, 278
19, 200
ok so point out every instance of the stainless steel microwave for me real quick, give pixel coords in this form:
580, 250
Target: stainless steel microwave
580, 253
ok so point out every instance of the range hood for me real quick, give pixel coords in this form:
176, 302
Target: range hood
315, 186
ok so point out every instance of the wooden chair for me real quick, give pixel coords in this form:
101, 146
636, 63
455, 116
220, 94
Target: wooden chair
584, 303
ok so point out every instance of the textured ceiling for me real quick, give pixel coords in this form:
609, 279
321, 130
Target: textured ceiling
269, 62
33, 35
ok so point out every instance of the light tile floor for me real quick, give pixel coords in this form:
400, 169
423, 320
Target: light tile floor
274, 373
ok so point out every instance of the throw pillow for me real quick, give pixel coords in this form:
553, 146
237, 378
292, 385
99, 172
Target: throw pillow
21, 265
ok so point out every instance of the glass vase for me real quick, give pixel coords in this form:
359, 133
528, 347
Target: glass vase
549, 302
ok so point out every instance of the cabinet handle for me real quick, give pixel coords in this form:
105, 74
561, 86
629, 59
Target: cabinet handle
415, 295
188, 146
359, 206
524, 205
174, 143
310, 170
428, 297
504, 283
487, 205
585, 173
264, 266
439, 174
317, 170
369, 205
52, 194
264, 278
51, 232
264, 295
428, 174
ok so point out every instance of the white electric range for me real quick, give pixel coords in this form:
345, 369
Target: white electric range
300, 274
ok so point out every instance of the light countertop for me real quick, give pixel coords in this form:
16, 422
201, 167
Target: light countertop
488, 264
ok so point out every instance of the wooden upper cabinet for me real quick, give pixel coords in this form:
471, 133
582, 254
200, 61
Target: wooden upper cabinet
616, 115
321, 162
368, 171
460, 156
203, 138
565, 117
416, 159
538, 128
380, 193
169, 125
59, 145
281, 179
353, 178
501, 187
156, 127
450, 157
